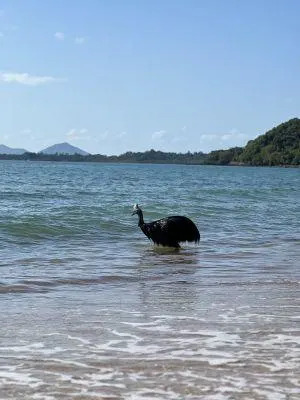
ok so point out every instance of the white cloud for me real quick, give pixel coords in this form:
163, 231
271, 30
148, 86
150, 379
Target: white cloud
77, 134
79, 40
213, 141
234, 136
26, 79
158, 135
208, 137
71, 133
59, 36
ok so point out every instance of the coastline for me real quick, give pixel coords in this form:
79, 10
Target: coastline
88, 159
279, 147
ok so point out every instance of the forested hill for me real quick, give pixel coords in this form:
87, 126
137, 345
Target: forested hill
279, 146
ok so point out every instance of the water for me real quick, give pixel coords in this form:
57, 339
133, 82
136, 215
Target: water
90, 309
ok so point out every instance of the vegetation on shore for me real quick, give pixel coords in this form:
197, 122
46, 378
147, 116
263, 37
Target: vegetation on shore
150, 156
279, 146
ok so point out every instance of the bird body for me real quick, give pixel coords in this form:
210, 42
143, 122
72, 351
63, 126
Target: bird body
168, 231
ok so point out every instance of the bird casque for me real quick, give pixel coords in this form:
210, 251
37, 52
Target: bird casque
168, 231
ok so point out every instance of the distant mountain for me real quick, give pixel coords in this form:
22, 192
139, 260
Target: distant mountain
8, 150
63, 148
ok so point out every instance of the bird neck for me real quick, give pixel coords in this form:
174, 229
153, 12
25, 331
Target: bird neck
141, 218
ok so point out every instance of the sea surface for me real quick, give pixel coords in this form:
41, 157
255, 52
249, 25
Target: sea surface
90, 309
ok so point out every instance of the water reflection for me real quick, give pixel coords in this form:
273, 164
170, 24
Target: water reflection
168, 279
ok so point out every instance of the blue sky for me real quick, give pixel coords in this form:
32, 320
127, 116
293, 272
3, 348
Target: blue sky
111, 76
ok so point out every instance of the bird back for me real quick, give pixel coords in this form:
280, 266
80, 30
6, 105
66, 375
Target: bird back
171, 230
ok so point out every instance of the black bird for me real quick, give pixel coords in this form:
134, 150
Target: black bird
168, 231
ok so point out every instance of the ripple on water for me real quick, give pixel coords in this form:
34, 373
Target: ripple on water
132, 359
90, 309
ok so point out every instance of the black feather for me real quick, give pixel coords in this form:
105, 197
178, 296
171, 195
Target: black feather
169, 231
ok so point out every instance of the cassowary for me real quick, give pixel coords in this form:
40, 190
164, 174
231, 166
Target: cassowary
168, 231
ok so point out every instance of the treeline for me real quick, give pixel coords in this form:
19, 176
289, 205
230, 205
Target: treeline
279, 146
150, 156
161, 157
225, 157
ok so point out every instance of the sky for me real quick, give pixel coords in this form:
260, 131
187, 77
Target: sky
111, 76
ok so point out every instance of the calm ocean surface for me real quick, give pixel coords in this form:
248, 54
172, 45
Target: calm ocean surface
90, 309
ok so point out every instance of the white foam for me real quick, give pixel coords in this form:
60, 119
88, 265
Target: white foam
36, 348
277, 365
270, 395
125, 334
84, 341
280, 339
42, 396
150, 394
19, 378
23, 348
179, 317
131, 347
295, 381
216, 396
70, 362
139, 324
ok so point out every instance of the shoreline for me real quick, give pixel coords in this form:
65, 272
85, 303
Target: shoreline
74, 159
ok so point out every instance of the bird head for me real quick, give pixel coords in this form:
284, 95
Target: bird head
136, 209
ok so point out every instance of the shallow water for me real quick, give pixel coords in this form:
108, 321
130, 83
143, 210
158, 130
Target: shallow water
91, 310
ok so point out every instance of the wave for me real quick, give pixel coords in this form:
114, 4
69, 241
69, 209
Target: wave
38, 227
28, 286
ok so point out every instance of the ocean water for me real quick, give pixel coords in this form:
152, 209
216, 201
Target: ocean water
90, 309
